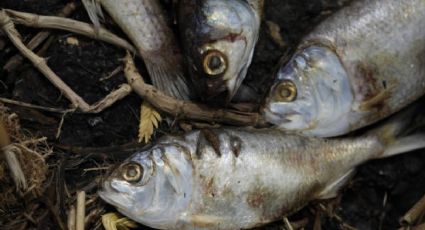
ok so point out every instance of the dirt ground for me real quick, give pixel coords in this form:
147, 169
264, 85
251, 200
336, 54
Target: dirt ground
380, 193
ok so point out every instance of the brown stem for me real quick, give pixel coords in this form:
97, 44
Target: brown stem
39, 38
40, 63
52, 22
185, 109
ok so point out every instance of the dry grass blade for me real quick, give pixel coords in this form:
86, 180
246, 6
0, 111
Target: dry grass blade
9, 152
149, 120
81, 210
71, 218
111, 221
274, 31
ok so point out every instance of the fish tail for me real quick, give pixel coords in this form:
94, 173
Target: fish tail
94, 10
169, 79
404, 132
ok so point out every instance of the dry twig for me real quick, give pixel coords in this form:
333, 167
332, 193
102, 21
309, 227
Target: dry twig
52, 22
40, 63
288, 224
414, 213
81, 210
16, 60
71, 218
184, 109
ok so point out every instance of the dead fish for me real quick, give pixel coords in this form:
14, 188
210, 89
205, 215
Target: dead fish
242, 178
362, 64
145, 24
219, 37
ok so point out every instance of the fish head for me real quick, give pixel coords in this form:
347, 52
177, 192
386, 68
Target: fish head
311, 93
152, 187
219, 39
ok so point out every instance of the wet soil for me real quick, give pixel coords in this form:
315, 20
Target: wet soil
380, 193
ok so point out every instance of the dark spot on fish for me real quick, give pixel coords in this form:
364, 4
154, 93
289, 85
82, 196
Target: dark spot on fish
200, 143
212, 139
232, 37
255, 200
236, 145
208, 186
372, 94
365, 81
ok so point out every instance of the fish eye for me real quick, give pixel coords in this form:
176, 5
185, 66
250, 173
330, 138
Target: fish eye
132, 172
286, 91
214, 62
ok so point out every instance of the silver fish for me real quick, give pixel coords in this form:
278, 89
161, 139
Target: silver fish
362, 64
241, 178
145, 24
219, 37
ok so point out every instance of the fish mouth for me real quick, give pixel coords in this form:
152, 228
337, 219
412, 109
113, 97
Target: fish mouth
273, 117
114, 197
232, 89
281, 120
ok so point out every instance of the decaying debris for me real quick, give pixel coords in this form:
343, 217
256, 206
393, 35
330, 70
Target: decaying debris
184, 109
114, 221
38, 39
149, 121
274, 31
158, 99
40, 63
31, 154
415, 215
51, 22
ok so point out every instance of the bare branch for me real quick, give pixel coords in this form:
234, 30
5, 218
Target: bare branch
40, 63
52, 22
39, 38
185, 109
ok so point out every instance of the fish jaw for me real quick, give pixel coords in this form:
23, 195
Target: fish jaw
324, 95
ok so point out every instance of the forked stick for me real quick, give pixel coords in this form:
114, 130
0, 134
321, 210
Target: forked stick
40, 63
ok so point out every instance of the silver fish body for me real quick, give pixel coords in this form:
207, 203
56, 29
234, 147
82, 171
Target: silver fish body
145, 24
239, 178
362, 64
219, 37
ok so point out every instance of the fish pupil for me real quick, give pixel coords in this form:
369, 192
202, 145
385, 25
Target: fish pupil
285, 93
215, 63
131, 172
